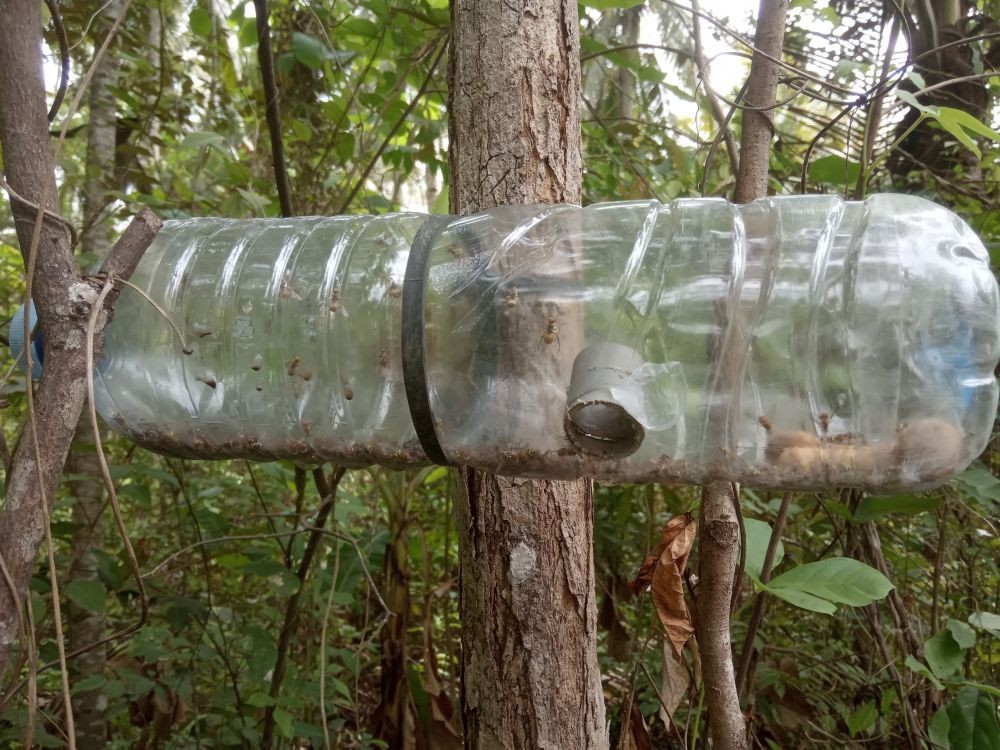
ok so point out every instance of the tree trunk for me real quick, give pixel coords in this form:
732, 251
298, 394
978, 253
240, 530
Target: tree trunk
63, 298
529, 621
718, 544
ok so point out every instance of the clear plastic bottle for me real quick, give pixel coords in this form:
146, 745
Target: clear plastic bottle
795, 342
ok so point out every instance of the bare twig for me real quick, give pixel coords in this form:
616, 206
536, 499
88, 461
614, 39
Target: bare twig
713, 100
744, 675
265, 57
57, 22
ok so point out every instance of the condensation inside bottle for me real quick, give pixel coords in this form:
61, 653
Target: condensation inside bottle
795, 342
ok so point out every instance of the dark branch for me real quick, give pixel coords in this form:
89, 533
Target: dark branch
265, 57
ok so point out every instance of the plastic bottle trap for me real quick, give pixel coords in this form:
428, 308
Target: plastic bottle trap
795, 342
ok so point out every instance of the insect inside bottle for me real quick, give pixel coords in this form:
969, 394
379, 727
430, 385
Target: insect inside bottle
395, 290
383, 363
511, 300
823, 420
551, 335
335, 300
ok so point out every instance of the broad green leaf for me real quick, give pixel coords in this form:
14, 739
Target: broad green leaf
802, 600
93, 682
90, 595
283, 720
256, 201
875, 507
944, 656
918, 80
863, 719
308, 50
264, 567
834, 170
973, 718
960, 124
758, 537
910, 99
612, 4
912, 663
988, 621
838, 579
938, 728
200, 21
248, 33
964, 636
260, 700
202, 138
262, 652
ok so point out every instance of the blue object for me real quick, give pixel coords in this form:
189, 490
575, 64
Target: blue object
15, 335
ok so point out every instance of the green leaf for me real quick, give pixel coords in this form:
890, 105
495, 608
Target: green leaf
260, 700
89, 595
863, 719
802, 600
87, 684
758, 537
962, 125
938, 728
835, 170
987, 621
202, 138
964, 636
284, 721
839, 579
200, 21
874, 507
611, 4
973, 718
912, 663
309, 50
910, 99
264, 567
256, 201
944, 656
248, 33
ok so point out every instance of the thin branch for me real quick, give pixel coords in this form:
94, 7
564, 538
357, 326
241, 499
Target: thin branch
744, 674
57, 22
265, 57
713, 100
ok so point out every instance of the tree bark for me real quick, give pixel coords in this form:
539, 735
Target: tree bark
62, 296
762, 86
530, 676
718, 544
718, 556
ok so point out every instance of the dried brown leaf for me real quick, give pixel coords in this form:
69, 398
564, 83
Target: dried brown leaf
677, 534
668, 582
635, 734
674, 684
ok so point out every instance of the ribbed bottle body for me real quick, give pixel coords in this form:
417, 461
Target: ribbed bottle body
795, 342
293, 328
790, 343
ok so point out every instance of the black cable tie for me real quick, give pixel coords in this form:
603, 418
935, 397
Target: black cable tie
412, 330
